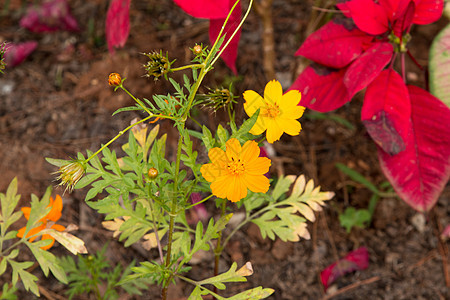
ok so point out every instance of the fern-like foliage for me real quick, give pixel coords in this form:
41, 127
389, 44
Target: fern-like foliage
286, 217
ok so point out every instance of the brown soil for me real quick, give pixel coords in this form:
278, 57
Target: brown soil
58, 103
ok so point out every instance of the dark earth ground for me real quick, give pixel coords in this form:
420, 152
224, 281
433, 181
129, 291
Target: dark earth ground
58, 102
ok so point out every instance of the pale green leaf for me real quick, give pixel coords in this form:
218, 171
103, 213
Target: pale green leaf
282, 186
253, 294
48, 261
2, 265
439, 66
69, 241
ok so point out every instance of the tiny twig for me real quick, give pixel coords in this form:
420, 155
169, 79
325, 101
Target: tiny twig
330, 237
352, 286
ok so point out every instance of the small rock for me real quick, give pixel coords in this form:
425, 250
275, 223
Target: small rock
418, 221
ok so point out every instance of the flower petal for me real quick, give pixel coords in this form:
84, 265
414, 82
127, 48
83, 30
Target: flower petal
48, 237
258, 167
26, 212
257, 183
260, 126
55, 212
291, 127
237, 190
290, 99
274, 132
212, 171
58, 227
217, 156
273, 92
292, 113
250, 152
233, 149
219, 187
253, 102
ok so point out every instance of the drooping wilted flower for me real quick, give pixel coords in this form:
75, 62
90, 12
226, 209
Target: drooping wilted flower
157, 65
71, 173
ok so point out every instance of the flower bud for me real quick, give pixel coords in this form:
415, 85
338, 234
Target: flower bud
152, 173
197, 49
114, 79
71, 173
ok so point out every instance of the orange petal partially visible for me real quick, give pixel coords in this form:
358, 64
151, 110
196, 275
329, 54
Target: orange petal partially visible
26, 212
48, 237
55, 212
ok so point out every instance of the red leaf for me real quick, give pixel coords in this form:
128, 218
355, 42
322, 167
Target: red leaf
420, 172
206, 9
367, 67
322, 88
354, 261
117, 24
215, 25
428, 11
405, 14
334, 45
50, 16
386, 111
369, 16
15, 54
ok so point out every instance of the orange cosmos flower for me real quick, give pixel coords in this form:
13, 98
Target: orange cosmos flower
53, 216
237, 169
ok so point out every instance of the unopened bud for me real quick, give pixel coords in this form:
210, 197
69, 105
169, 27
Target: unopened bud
152, 173
197, 49
114, 79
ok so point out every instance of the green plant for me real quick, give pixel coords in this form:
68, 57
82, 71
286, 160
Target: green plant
362, 218
93, 274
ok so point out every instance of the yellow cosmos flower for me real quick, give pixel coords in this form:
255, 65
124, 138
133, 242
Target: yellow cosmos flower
53, 216
237, 169
278, 113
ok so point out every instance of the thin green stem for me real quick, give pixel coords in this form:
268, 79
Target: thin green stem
10, 247
116, 137
173, 212
196, 122
199, 202
219, 247
141, 104
199, 285
234, 33
155, 228
193, 66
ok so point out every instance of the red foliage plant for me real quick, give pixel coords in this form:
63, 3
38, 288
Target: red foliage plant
118, 24
354, 261
51, 16
409, 125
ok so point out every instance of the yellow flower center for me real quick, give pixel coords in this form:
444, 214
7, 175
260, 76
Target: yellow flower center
271, 110
236, 167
